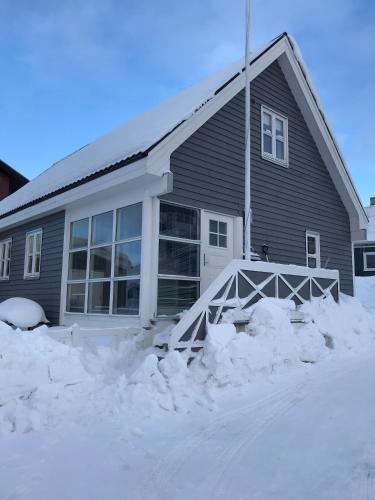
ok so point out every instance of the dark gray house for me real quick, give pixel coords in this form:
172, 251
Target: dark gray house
364, 250
139, 223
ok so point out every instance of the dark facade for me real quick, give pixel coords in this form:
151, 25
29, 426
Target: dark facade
209, 173
46, 289
10, 180
359, 258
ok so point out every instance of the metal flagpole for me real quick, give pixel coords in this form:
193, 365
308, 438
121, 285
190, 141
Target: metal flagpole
247, 138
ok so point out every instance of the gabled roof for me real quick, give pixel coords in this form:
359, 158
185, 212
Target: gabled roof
129, 141
144, 134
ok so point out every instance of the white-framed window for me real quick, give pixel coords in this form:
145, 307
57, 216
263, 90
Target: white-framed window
104, 268
274, 136
5, 250
218, 233
33, 253
179, 258
369, 261
312, 249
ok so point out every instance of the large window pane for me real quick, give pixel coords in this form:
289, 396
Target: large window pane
128, 258
180, 222
126, 297
99, 297
129, 222
100, 262
178, 259
75, 301
175, 296
79, 233
77, 265
101, 230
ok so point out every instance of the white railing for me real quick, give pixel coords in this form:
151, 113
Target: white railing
241, 284
77, 336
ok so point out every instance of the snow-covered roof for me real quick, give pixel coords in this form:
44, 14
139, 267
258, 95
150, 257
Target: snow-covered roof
136, 136
140, 135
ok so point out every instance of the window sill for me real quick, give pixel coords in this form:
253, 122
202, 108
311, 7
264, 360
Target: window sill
104, 315
270, 158
32, 277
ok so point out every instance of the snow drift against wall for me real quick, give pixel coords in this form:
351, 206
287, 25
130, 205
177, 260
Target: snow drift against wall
44, 382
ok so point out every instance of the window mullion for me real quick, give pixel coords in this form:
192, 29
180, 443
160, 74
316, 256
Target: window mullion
112, 260
88, 267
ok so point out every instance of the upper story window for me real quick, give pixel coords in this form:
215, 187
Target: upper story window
5, 248
33, 253
274, 136
312, 249
104, 267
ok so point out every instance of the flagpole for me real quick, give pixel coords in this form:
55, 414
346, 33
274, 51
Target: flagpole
248, 219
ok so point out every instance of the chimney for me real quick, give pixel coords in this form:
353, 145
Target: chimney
372, 201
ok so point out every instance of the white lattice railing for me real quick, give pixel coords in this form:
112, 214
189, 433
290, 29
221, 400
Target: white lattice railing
241, 284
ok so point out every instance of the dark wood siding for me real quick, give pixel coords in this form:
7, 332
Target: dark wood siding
46, 289
209, 173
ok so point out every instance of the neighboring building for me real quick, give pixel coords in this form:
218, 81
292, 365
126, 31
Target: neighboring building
10, 180
137, 224
364, 250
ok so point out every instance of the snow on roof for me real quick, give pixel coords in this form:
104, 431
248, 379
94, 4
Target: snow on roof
135, 136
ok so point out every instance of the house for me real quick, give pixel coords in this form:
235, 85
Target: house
141, 222
364, 250
10, 180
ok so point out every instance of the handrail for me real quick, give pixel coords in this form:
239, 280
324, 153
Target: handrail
244, 282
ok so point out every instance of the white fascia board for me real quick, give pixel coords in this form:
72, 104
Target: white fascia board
324, 138
158, 160
133, 173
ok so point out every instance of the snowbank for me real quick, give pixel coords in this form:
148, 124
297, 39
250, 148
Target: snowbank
365, 290
22, 313
44, 383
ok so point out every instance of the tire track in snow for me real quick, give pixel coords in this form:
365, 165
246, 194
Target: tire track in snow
220, 490
160, 478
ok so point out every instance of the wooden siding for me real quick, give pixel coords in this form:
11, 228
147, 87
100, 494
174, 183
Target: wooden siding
209, 173
46, 289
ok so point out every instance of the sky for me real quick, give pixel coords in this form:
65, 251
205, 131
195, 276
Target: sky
72, 70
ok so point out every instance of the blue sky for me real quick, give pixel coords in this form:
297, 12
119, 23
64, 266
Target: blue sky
72, 70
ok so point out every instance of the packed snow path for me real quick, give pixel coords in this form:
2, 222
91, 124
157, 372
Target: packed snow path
309, 434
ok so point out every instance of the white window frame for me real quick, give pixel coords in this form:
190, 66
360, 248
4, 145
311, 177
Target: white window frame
272, 156
5, 256
112, 278
365, 267
31, 236
198, 243
316, 255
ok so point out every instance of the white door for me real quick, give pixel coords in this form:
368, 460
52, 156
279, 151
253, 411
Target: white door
217, 245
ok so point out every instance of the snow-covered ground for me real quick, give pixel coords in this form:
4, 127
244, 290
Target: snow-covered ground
283, 412
365, 290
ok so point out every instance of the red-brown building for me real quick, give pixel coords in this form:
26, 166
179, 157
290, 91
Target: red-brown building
10, 180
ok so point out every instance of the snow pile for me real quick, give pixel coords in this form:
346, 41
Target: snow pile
44, 383
22, 313
365, 290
